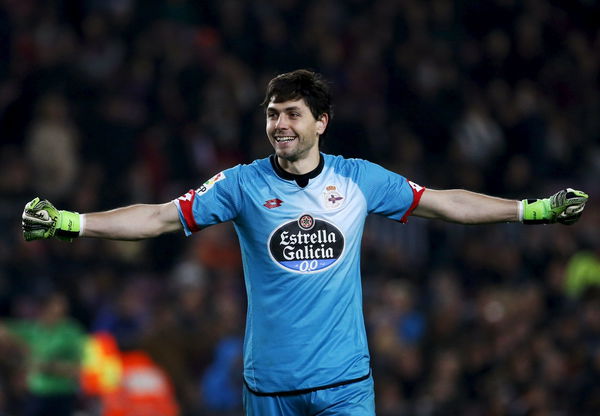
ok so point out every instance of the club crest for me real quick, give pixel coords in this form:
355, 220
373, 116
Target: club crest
332, 197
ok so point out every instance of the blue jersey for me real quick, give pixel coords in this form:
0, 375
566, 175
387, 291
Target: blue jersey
301, 258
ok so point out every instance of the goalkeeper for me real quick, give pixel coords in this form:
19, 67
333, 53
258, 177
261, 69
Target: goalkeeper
299, 215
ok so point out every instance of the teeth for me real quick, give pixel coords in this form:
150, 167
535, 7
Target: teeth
285, 138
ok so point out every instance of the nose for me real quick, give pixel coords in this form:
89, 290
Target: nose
281, 122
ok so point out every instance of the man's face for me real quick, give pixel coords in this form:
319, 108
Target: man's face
292, 129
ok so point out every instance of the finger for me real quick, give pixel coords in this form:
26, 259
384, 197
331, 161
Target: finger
575, 196
34, 235
576, 201
34, 223
32, 203
571, 191
576, 209
572, 210
34, 227
37, 216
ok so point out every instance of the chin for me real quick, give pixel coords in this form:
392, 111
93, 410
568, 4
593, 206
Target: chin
289, 158
286, 156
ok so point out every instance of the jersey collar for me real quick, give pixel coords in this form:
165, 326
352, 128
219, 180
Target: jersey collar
301, 180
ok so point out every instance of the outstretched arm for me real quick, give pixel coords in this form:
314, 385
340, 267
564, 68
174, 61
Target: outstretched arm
42, 220
465, 207
134, 222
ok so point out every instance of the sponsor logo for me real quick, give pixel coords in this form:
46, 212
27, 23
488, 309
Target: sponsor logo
306, 245
333, 199
273, 203
210, 183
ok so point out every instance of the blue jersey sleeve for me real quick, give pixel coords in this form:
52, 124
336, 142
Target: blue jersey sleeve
388, 193
217, 200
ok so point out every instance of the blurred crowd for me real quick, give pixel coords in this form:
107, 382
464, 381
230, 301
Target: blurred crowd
105, 103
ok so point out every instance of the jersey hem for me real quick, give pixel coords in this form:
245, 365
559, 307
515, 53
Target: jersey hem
307, 390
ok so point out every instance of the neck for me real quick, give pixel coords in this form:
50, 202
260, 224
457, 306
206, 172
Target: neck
301, 166
303, 179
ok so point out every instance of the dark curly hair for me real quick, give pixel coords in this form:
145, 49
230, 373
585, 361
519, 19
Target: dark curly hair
304, 84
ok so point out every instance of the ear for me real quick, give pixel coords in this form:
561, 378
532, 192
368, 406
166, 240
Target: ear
322, 123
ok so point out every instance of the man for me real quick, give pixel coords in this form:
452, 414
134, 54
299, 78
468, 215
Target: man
54, 345
299, 215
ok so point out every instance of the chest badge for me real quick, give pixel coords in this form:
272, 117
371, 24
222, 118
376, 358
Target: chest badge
332, 197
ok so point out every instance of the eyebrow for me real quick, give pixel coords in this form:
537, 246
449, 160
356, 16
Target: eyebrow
292, 108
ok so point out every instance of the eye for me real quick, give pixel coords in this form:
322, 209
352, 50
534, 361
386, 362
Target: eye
271, 115
295, 115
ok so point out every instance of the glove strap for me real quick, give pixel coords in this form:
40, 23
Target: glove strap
536, 211
68, 225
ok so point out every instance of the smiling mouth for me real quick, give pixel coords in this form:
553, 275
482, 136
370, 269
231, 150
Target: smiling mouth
284, 139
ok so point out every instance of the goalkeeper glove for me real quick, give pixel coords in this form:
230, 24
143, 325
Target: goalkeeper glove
565, 207
42, 220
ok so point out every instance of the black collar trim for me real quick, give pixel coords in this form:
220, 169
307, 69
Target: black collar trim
301, 180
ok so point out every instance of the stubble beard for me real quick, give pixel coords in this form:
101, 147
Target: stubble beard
296, 154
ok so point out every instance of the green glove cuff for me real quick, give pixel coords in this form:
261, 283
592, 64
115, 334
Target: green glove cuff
537, 211
68, 225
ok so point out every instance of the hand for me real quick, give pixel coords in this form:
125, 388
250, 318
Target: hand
39, 220
42, 220
565, 207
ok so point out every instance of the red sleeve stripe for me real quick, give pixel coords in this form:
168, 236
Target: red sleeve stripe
186, 202
417, 193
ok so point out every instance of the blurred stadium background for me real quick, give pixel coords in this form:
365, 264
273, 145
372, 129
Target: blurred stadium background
110, 102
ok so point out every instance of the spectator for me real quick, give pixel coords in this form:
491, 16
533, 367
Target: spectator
52, 147
54, 345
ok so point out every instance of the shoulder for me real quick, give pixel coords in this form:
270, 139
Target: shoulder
235, 174
350, 167
255, 168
